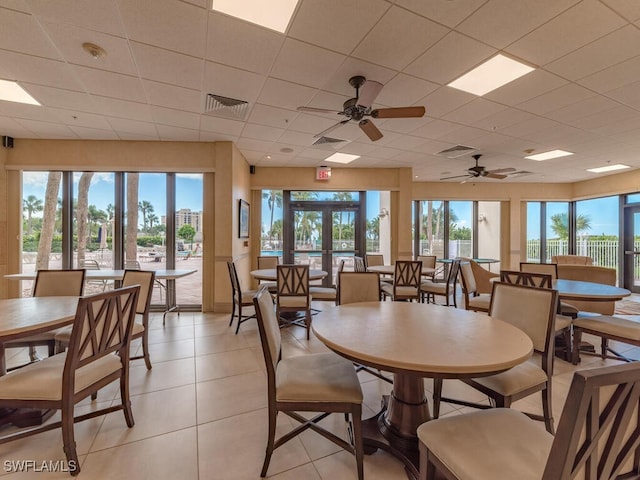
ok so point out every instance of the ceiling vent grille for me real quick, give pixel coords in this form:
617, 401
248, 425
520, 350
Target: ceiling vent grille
323, 140
455, 152
225, 107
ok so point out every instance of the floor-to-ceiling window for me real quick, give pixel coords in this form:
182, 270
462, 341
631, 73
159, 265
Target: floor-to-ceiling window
597, 228
272, 223
461, 229
557, 229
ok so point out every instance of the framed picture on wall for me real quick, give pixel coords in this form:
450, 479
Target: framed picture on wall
243, 220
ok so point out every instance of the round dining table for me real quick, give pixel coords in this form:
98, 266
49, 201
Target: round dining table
270, 274
416, 340
594, 292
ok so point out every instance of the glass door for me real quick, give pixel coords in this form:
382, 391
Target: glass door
632, 249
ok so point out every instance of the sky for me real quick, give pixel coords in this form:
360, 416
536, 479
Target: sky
151, 188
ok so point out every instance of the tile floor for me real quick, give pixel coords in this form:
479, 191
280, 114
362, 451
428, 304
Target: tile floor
201, 413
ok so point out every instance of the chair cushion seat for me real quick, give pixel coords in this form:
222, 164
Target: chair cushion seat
320, 377
562, 322
323, 293
481, 301
138, 329
615, 326
515, 380
247, 297
433, 287
400, 292
43, 380
40, 337
289, 301
467, 444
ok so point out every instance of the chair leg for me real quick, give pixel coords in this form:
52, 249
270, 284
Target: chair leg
427, 468
356, 418
604, 346
145, 350
51, 346
233, 312
68, 440
547, 410
126, 401
437, 395
273, 415
575, 350
568, 354
239, 317
307, 321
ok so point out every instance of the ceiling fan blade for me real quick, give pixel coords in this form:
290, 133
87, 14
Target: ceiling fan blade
502, 170
400, 112
368, 93
317, 110
494, 175
370, 130
456, 176
331, 128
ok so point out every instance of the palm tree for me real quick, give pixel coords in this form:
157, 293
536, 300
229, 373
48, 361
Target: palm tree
152, 218
82, 214
48, 220
95, 216
560, 225
342, 197
131, 235
31, 205
146, 208
274, 199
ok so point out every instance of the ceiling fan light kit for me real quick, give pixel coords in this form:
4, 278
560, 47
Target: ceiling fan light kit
478, 171
358, 107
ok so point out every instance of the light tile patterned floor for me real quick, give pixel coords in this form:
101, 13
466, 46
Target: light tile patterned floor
201, 413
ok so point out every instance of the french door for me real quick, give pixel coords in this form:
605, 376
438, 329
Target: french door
631, 251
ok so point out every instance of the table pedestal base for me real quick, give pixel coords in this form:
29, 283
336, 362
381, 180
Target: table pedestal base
394, 428
24, 417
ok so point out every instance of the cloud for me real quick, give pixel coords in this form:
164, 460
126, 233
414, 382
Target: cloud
190, 176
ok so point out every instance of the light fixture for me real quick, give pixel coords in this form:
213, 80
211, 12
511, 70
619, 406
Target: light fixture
539, 157
341, 158
383, 213
608, 168
276, 15
96, 51
12, 92
493, 73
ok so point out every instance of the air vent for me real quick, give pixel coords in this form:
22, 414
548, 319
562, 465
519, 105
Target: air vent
521, 173
225, 107
323, 140
455, 152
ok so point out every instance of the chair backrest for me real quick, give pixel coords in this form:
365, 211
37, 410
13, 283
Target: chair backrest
598, 431
407, 273
531, 309
292, 281
572, 260
468, 279
267, 261
594, 274
145, 279
546, 268
132, 265
452, 274
373, 259
235, 282
89, 264
102, 326
428, 261
270, 337
358, 264
354, 287
340, 270
527, 279
59, 283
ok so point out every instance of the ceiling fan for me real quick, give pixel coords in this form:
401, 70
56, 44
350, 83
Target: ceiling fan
480, 171
360, 106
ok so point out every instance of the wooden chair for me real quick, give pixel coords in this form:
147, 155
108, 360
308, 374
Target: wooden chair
429, 288
327, 294
565, 308
594, 274
373, 259
268, 262
428, 261
98, 354
533, 311
293, 295
597, 436
484, 278
563, 324
572, 260
50, 283
406, 281
472, 300
135, 265
358, 264
240, 299
321, 382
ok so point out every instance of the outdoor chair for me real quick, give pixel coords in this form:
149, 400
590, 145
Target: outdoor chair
93, 265
293, 296
320, 382
406, 281
532, 310
597, 436
447, 289
98, 354
135, 265
239, 299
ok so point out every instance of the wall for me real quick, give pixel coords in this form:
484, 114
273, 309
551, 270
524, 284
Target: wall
3, 225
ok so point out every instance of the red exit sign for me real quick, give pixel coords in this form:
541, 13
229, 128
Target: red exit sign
323, 173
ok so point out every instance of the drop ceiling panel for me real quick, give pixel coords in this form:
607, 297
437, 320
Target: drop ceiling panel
576, 27
313, 124
96, 15
449, 58
339, 81
73, 118
220, 125
26, 68
556, 99
20, 32
176, 26
18, 5
261, 132
46, 129
335, 24
279, 93
501, 119
177, 134
178, 118
531, 85
613, 77
170, 96
94, 133
447, 13
629, 94
609, 50
398, 39
584, 108
57, 97
501, 22
628, 8
404, 90
113, 107
435, 129
254, 48
232, 82
445, 100
165, 66
271, 116
109, 84
296, 138
473, 111
305, 64
133, 126
11, 127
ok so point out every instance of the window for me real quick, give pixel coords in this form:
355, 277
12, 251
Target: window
597, 230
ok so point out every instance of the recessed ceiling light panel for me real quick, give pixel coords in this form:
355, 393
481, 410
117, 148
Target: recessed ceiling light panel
492, 74
274, 14
549, 155
12, 92
341, 158
608, 168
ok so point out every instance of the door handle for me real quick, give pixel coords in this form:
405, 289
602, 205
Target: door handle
632, 252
